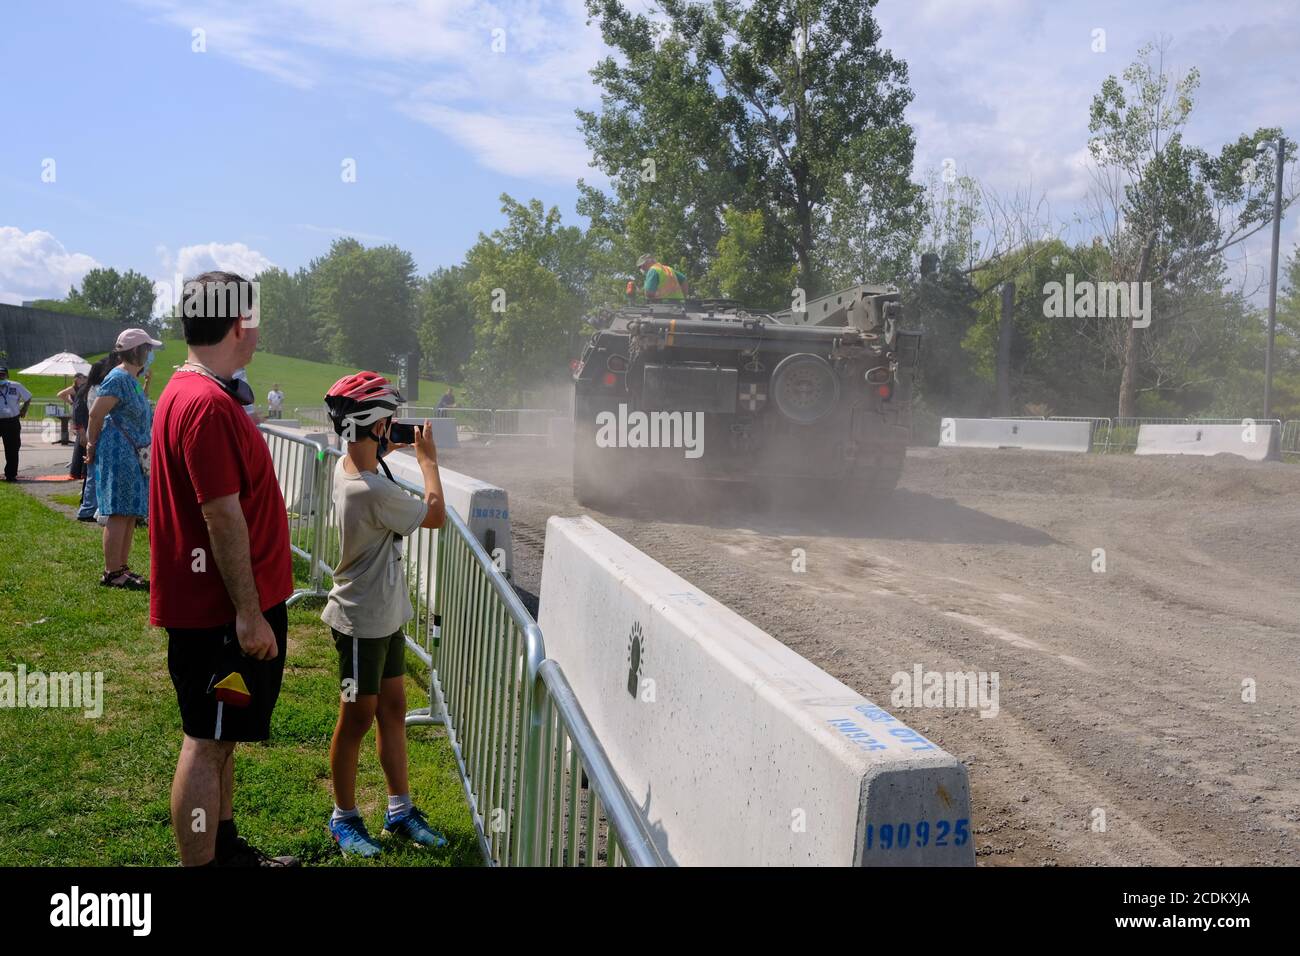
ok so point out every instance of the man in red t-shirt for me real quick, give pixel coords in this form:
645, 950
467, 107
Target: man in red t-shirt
221, 569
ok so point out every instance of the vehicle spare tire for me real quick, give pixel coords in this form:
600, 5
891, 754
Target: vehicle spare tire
805, 388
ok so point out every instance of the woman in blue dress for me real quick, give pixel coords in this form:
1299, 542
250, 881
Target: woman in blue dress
118, 448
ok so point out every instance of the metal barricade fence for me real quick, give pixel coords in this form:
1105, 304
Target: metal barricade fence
522, 422
521, 741
298, 468
1291, 437
311, 415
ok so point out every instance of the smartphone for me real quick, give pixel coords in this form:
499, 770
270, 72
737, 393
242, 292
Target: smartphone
402, 433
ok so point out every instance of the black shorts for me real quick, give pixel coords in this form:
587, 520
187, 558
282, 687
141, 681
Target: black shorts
364, 662
224, 694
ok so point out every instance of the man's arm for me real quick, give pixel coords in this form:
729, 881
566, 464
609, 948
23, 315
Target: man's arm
228, 532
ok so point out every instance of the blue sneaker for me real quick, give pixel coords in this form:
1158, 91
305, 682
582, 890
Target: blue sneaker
412, 825
352, 837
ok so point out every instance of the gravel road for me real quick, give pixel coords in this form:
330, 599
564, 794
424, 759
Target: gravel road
1121, 691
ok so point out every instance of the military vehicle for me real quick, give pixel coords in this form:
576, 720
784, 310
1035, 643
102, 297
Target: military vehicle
818, 400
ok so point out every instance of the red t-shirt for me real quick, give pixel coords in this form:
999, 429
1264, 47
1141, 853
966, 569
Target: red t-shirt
204, 447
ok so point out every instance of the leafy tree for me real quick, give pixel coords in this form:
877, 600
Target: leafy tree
790, 107
1167, 210
289, 326
446, 330
527, 297
127, 297
363, 301
742, 267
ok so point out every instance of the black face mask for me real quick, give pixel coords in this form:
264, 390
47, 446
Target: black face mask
236, 388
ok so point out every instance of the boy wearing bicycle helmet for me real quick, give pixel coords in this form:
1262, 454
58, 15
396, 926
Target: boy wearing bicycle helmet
369, 604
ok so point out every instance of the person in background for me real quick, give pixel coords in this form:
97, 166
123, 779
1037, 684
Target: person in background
370, 604
275, 402
93, 380
14, 399
117, 446
75, 395
447, 401
220, 559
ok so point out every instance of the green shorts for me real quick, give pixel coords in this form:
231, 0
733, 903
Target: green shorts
365, 661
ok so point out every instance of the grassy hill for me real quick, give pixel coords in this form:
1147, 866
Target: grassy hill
304, 383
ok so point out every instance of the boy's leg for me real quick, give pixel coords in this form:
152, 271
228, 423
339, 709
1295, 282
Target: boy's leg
354, 721
390, 734
197, 798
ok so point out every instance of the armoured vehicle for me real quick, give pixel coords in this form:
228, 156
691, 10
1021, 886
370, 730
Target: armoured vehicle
711, 389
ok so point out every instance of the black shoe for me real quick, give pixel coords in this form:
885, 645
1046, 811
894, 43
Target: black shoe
242, 854
86, 518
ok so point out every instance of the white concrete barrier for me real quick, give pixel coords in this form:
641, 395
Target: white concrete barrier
485, 508
738, 750
1012, 433
1250, 440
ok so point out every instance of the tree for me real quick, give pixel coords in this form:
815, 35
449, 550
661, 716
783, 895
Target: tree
446, 329
363, 301
1167, 211
785, 106
126, 297
743, 263
527, 297
288, 325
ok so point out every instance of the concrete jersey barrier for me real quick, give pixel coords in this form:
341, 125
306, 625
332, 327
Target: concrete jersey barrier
485, 508
1253, 441
738, 750
1010, 433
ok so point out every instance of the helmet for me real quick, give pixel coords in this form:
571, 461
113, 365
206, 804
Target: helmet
361, 400
645, 260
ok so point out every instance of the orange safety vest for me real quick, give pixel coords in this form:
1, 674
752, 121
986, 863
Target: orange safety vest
669, 287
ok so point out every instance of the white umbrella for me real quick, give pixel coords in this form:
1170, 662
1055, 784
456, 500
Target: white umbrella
61, 363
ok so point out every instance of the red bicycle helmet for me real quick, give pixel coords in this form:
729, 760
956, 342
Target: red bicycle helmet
361, 399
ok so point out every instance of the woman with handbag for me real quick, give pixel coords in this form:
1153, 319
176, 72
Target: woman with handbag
117, 447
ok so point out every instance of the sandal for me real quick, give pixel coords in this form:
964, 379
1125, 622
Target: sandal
122, 578
143, 582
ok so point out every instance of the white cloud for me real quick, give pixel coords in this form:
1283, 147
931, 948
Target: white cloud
433, 59
517, 145
227, 256
35, 265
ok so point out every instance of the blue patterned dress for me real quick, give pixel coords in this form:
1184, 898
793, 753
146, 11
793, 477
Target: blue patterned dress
120, 486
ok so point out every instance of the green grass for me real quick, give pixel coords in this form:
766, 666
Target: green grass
78, 791
303, 383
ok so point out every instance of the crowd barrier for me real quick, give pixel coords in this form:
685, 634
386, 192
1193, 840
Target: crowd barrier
540, 787
1120, 435
739, 751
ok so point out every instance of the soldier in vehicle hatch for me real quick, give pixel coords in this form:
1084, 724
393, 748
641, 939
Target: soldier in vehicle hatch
662, 283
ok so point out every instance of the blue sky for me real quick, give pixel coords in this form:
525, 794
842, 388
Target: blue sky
166, 158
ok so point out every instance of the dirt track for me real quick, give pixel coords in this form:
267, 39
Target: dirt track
1119, 690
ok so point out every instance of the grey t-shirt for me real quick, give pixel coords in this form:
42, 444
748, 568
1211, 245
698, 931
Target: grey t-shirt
369, 597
